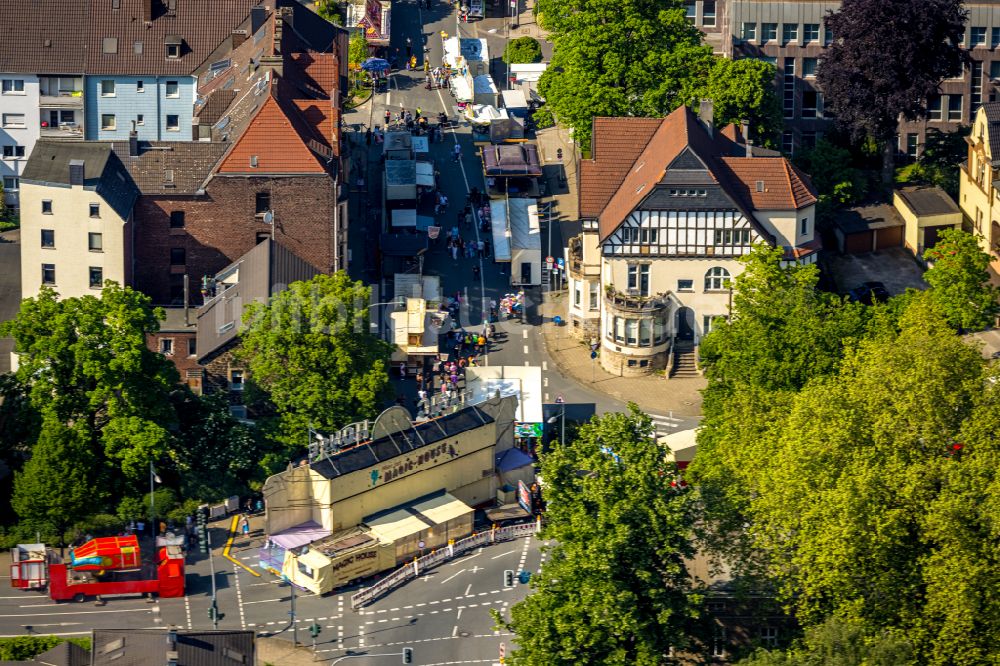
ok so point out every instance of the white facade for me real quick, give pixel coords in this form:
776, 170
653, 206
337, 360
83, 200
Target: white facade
19, 128
80, 247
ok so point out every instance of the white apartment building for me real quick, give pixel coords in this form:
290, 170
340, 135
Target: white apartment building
76, 219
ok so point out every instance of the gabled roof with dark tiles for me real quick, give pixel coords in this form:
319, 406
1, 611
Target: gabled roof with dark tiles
928, 200
44, 36
992, 111
150, 647
139, 41
103, 172
170, 167
680, 134
215, 106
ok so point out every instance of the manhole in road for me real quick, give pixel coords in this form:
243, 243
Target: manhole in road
464, 634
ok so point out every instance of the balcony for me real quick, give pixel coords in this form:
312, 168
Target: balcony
63, 131
576, 265
634, 303
68, 99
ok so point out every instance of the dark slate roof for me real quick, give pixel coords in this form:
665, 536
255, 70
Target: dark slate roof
215, 106
313, 30
43, 36
928, 200
397, 444
64, 654
200, 25
103, 172
149, 647
992, 111
189, 161
859, 219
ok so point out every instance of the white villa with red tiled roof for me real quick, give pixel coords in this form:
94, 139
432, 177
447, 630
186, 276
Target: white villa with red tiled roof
668, 206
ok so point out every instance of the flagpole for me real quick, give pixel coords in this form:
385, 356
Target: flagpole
152, 498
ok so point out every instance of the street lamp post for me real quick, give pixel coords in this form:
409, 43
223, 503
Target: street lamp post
153, 480
562, 427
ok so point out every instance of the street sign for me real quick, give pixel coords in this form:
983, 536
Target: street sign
503, 650
527, 430
560, 399
550, 260
523, 496
593, 355
560, 261
421, 544
433, 232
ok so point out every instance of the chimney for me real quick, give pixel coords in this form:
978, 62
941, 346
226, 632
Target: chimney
76, 172
133, 142
257, 17
705, 115
147, 10
745, 134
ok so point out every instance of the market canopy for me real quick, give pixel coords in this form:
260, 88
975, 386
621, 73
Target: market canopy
512, 160
375, 65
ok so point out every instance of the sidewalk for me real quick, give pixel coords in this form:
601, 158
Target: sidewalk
654, 394
280, 652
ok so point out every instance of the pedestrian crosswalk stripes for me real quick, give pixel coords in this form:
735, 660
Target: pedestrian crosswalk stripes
663, 425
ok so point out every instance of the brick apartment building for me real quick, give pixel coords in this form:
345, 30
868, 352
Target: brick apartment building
792, 36
268, 164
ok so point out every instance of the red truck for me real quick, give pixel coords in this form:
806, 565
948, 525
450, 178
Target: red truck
103, 566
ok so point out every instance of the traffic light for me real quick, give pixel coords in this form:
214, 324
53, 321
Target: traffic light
314, 629
508, 578
212, 611
407, 655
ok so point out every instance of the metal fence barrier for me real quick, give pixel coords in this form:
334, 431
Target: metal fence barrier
434, 558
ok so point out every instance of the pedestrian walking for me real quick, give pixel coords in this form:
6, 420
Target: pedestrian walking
413, 62
418, 113
368, 136
457, 152
388, 117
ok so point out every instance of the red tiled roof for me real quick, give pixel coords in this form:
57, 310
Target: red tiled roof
804, 250
273, 139
667, 142
784, 186
615, 145
201, 25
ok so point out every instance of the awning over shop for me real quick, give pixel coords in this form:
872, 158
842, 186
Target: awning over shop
525, 231
501, 232
425, 173
525, 382
509, 160
406, 217
299, 535
461, 88
512, 459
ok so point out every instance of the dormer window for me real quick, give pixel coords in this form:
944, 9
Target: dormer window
173, 44
760, 186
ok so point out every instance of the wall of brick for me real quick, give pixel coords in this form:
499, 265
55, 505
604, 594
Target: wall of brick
180, 358
222, 225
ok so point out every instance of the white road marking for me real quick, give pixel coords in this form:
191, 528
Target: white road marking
527, 363
187, 610
525, 349
459, 616
545, 382
454, 631
467, 589
545, 365
525, 334
452, 576
496, 557
122, 610
262, 601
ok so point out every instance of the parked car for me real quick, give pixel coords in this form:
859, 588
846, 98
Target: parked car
869, 293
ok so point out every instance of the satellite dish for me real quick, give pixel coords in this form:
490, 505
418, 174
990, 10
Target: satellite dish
269, 217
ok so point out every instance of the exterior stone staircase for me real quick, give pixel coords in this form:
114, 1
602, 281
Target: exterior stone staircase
684, 362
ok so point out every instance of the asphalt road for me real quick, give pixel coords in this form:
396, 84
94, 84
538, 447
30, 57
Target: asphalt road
443, 615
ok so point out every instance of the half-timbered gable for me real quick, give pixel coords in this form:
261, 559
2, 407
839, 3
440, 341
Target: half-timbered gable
669, 221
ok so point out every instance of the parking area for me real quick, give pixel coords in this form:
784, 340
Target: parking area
894, 267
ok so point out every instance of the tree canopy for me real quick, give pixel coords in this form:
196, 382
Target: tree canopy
522, 50
310, 353
743, 91
357, 49
615, 587
619, 58
887, 60
851, 463
960, 279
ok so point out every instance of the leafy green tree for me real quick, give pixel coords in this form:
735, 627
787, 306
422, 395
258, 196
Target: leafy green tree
939, 162
23, 648
330, 10
614, 589
887, 59
960, 280
357, 49
522, 50
743, 91
58, 485
220, 455
9, 219
619, 58
311, 353
836, 642
84, 362
839, 183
